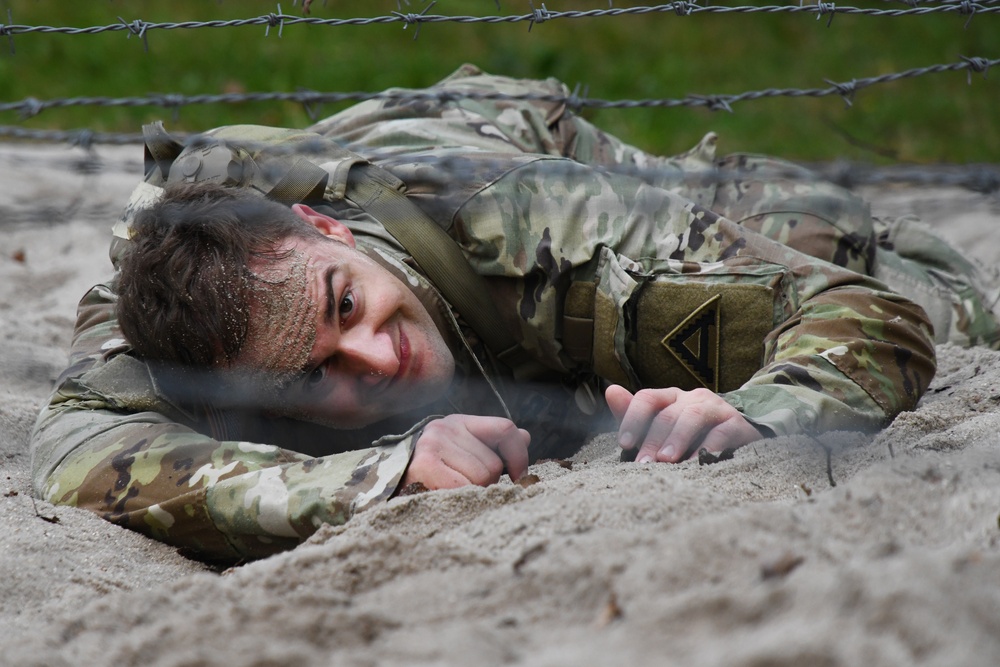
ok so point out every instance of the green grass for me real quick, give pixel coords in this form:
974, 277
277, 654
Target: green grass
934, 118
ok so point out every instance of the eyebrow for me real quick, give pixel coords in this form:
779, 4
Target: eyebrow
331, 298
328, 312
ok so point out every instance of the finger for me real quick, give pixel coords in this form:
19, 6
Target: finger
491, 431
732, 433
514, 452
447, 456
643, 408
428, 469
660, 429
478, 447
504, 437
440, 476
473, 462
617, 398
691, 425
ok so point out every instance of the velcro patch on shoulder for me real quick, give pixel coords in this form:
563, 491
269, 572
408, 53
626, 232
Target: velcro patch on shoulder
701, 334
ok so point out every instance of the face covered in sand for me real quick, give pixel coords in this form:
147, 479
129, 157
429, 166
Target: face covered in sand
341, 341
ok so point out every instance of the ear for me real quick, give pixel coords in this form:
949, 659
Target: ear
326, 225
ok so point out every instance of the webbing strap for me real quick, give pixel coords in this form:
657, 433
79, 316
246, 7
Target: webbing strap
578, 321
303, 182
378, 192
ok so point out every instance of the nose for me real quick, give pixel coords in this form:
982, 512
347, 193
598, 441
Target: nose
368, 356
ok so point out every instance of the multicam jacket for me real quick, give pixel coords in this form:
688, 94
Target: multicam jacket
607, 264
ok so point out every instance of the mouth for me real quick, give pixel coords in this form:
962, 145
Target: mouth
404, 357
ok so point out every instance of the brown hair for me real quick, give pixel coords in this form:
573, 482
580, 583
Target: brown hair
184, 283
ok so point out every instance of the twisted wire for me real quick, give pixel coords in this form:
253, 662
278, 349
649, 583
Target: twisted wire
141, 28
31, 106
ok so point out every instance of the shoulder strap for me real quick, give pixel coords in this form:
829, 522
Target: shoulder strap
439, 255
303, 182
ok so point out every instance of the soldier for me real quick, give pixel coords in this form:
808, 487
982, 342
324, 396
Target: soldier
261, 366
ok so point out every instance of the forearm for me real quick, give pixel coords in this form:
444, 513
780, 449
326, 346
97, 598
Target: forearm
220, 499
851, 358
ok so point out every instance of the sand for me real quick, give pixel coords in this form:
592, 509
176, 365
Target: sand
857, 550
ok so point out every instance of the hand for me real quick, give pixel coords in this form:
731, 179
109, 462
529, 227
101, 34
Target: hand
670, 424
459, 450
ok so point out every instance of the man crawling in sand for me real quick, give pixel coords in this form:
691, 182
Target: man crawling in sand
428, 292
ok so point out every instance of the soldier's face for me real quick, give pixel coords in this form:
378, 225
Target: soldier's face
346, 341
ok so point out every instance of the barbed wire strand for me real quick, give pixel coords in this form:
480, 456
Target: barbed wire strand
141, 28
31, 106
981, 179
975, 177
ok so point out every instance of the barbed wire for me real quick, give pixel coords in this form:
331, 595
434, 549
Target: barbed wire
81, 137
846, 89
913, 3
974, 177
140, 28
982, 178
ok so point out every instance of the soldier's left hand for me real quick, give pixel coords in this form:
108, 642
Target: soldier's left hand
671, 424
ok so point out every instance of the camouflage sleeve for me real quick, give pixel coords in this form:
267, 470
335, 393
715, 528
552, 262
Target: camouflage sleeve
840, 352
102, 443
849, 357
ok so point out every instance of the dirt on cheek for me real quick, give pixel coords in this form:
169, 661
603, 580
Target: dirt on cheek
282, 328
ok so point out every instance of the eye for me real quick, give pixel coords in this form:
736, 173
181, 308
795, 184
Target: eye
346, 306
316, 376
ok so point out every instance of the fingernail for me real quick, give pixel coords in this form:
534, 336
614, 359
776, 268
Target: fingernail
646, 458
668, 452
626, 440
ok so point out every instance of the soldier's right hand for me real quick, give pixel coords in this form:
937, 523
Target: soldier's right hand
459, 450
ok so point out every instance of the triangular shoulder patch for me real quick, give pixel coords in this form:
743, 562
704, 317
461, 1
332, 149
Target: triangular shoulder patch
695, 343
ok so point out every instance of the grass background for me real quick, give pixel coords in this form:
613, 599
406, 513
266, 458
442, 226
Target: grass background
937, 118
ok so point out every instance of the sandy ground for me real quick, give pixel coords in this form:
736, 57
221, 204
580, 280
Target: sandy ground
857, 550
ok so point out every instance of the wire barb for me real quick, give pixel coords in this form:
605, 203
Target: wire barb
826, 8
137, 28
684, 8
414, 19
538, 15
574, 102
967, 7
846, 90
311, 109
31, 107
84, 139
170, 100
975, 64
715, 102
275, 21
8, 30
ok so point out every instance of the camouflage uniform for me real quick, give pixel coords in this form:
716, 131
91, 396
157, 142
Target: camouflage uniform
574, 232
